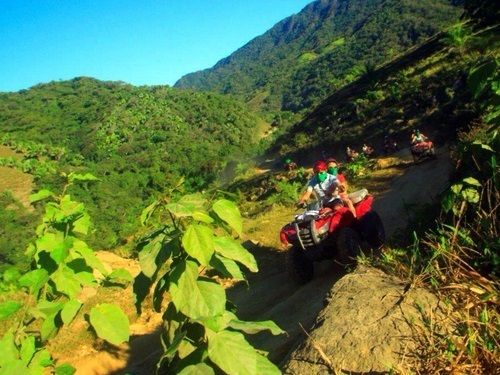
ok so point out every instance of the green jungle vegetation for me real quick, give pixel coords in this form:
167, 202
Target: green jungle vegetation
101, 173
139, 141
310, 55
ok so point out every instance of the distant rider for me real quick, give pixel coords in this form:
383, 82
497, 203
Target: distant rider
290, 165
417, 137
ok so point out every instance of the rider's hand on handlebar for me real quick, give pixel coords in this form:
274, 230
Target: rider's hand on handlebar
301, 205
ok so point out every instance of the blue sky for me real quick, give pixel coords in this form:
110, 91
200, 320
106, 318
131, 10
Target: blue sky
140, 42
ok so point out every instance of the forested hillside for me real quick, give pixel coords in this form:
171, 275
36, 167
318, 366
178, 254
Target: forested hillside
307, 56
139, 142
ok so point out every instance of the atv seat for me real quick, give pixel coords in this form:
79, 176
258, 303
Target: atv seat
358, 195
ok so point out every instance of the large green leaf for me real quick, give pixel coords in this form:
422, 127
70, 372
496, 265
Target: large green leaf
203, 217
66, 283
234, 355
27, 349
195, 202
65, 369
70, 310
232, 249
82, 224
34, 280
50, 326
47, 308
61, 251
255, 327
179, 209
148, 254
187, 205
8, 308
198, 241
42, 358
199, 369
120, 276
220, 322
9, 350
148, 211
227, 267
15, 366
229, 212
448, 200
196, 298
50, 242
71, 208
110, 323
81, 248
41, 195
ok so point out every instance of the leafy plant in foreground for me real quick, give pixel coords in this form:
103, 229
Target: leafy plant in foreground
62, 264
193, 240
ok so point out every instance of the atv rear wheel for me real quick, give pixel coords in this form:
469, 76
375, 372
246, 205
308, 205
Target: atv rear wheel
299, 267
372, 229
348, 245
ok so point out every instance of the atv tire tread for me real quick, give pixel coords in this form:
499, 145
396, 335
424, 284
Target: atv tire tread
348, 246
374, 232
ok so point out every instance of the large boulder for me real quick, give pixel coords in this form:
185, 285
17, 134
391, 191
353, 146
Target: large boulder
371, 323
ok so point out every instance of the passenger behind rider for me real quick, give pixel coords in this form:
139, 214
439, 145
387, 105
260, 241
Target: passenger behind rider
333, 168
343, 215
322, 184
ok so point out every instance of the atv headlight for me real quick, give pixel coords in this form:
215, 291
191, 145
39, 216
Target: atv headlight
323, 229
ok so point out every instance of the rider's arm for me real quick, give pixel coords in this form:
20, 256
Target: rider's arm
349, 204
305, 195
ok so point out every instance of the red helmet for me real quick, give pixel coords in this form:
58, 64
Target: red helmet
319, 166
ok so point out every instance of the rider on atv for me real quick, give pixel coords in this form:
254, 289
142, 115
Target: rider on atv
326, 188
322, 183
417, 137
290, 165
421, 147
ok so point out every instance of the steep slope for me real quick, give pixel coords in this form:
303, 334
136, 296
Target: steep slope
304, 57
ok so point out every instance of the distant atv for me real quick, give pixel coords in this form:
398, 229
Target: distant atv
321, 233
390, 146
422, 150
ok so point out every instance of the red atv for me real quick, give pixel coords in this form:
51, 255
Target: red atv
321, 233
422, 150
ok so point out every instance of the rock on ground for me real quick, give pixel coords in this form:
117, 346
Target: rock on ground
369, 324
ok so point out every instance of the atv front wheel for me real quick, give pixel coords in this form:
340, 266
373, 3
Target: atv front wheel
299, 267
348, 245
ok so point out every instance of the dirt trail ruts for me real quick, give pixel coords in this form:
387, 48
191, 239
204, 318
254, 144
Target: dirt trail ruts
271, 294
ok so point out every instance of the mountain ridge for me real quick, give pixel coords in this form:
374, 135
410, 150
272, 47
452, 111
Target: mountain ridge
355, 26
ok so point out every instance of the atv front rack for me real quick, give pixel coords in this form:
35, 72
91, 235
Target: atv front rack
307, 235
